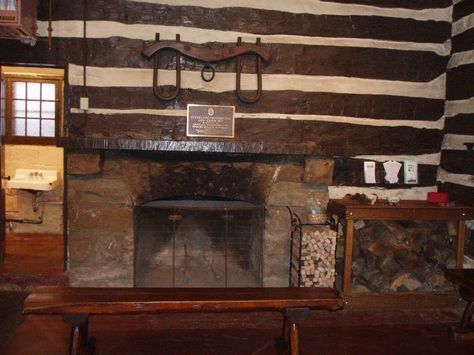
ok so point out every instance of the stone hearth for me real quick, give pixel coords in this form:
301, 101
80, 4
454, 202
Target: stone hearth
104, 188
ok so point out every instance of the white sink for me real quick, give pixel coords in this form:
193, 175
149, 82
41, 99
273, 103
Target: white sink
34, 179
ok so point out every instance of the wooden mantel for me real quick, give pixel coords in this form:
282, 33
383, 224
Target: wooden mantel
405, 210
209, 146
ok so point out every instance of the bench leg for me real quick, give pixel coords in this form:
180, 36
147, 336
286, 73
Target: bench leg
290, 334
79, 343
464, 330
294, 339
467, 315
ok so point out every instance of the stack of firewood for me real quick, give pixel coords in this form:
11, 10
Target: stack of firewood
318, 257
397, 256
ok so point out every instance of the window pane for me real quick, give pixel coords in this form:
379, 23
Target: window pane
48, 92
48, 109
18, 127
19, 108
34, 91
33, 109
47, 128
32, 129
19, 90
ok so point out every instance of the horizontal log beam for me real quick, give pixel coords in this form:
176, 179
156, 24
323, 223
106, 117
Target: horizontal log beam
458, 193
458, 161
463, 41
262, 22
456, 88
405, 4
285, 102
262, 136
460, 124
375, 63
462, 9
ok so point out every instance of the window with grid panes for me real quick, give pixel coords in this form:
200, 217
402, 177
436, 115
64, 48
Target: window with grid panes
33, 109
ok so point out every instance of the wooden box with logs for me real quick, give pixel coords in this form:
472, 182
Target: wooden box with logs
400, 256
394, 256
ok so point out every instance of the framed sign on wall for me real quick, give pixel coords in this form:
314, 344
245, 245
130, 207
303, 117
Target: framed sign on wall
210, 121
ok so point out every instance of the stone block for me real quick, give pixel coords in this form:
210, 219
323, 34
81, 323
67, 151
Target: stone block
275, 270
111, 167
52, 219
54, 196
80, 248
19, 206
84, 163
128, 248
100, 190
137, 177
261, 179
290, 173
104, 276
296, 194
319, 171
108, 248
101, 248
277, 231
100, 218
11, 201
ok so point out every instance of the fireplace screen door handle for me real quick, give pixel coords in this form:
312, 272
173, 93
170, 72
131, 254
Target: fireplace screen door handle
175, 217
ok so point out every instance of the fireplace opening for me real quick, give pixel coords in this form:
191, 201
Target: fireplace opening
198, 243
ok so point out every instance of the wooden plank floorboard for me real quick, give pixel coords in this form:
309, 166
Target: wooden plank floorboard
158, 335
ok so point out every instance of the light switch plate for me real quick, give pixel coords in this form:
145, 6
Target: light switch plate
369, 172
84, 103
410, 170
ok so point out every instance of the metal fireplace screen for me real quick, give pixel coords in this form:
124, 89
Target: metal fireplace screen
198, 243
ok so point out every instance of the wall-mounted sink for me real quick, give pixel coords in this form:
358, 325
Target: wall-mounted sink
34, 179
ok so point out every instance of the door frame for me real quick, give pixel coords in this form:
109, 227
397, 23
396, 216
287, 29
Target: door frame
2, 170
3, 113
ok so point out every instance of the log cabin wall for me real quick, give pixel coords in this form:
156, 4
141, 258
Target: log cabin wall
351, 80
457, 162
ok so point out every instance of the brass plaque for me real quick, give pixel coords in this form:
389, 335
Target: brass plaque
210, 121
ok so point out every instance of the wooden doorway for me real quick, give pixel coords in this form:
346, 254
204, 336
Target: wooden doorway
2, 172
32, 218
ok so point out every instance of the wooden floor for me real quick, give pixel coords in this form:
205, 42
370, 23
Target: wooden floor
370, 324
32, 260
346, 332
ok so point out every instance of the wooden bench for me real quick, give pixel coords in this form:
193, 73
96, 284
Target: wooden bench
463, 279
76, 304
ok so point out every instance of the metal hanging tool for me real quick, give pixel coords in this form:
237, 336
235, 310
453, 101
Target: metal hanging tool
207, 55
156, 65
242, 98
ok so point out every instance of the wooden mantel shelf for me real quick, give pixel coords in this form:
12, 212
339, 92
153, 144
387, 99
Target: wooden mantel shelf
211, 146
405, 210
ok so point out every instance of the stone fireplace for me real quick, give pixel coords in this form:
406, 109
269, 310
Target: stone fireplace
109, 190
198, 243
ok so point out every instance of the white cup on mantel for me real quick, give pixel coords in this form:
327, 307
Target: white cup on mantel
372, 198
393, 200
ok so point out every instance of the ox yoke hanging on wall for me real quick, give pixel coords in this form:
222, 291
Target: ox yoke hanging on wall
206, 55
